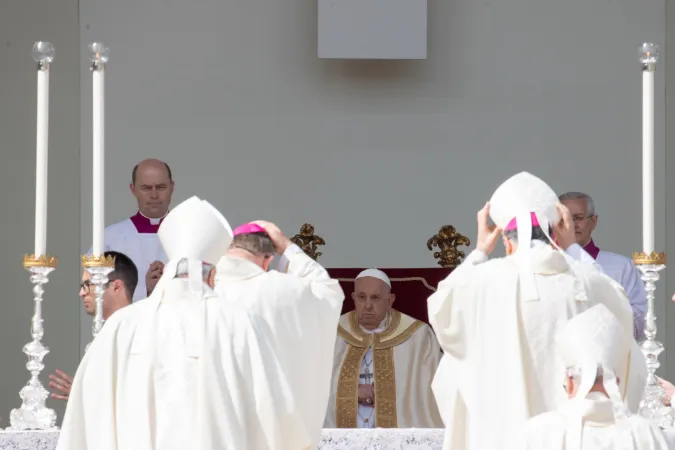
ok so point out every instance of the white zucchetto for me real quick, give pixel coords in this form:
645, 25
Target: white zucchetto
374, 273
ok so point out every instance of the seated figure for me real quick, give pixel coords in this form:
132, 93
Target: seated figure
384, 363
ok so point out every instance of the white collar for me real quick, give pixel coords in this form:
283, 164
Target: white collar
153, 221
381, 328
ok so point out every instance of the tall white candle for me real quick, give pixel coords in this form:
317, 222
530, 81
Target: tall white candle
98, 134
648, 57
43, 55
98, 54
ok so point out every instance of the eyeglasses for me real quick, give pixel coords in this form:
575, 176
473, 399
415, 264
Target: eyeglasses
578, 219
86, 286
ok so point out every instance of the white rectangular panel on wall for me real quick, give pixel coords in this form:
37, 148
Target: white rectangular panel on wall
373, 29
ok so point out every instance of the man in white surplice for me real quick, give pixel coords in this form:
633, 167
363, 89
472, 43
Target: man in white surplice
152, 185
620, 268
501, 316
184, 368
592, 347
299, 304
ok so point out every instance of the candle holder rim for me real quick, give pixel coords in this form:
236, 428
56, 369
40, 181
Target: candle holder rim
30, 260
653, 258
98, 261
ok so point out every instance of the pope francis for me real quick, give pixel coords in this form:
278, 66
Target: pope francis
184, 368
384, 363
497, 319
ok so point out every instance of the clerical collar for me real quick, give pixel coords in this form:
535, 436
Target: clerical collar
145, 225
383, 326
591, 249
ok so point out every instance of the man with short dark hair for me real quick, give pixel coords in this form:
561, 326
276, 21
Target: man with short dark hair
118, 293
119, 290
255, 246
152, 185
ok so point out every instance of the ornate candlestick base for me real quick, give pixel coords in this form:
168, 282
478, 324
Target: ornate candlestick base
99, 267
652, 405
33, 413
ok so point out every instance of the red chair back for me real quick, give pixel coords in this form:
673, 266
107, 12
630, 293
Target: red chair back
412, 288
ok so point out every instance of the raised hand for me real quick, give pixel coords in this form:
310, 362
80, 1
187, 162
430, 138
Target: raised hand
153, 275
488, 235
280, 241
564, 230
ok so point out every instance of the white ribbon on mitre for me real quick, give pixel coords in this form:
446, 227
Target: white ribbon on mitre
595, 343
198, 232
374, 273
518, 197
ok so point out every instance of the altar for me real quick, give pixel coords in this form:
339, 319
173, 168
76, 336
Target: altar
331, 439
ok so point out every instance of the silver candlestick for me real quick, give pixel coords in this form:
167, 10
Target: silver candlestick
99, 267
33, 413
653, 404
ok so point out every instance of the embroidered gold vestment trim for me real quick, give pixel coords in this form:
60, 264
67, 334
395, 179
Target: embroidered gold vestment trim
346, 398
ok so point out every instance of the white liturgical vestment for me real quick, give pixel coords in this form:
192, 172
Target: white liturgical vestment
498, 319
181, 373
486, 329
185, 368
549, 431
136, 237
622, 270
402, 357
300, 310
591, 346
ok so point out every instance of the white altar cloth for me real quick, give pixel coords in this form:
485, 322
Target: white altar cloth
331, 439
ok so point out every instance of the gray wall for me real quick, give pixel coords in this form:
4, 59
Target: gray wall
22, 23
376, 154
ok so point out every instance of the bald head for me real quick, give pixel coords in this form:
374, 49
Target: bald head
152, 185
150, 163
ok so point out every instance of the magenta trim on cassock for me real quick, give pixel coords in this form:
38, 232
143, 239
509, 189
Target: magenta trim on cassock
592, 250
248, 228
512, 225
143, 224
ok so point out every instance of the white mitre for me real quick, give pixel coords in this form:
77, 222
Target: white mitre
517, 198
197, 231
595, 343
374, 273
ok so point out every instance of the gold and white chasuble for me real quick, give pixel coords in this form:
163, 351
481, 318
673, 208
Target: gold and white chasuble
405, 356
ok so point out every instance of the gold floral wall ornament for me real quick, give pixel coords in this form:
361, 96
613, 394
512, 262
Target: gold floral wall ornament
447, 240
308, 241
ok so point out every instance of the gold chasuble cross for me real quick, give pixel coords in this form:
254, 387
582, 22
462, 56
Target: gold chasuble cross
346, 405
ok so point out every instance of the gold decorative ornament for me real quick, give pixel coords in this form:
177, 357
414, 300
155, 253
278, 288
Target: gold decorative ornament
653, 258
39, 261
447, 240
98, 261
308, 241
